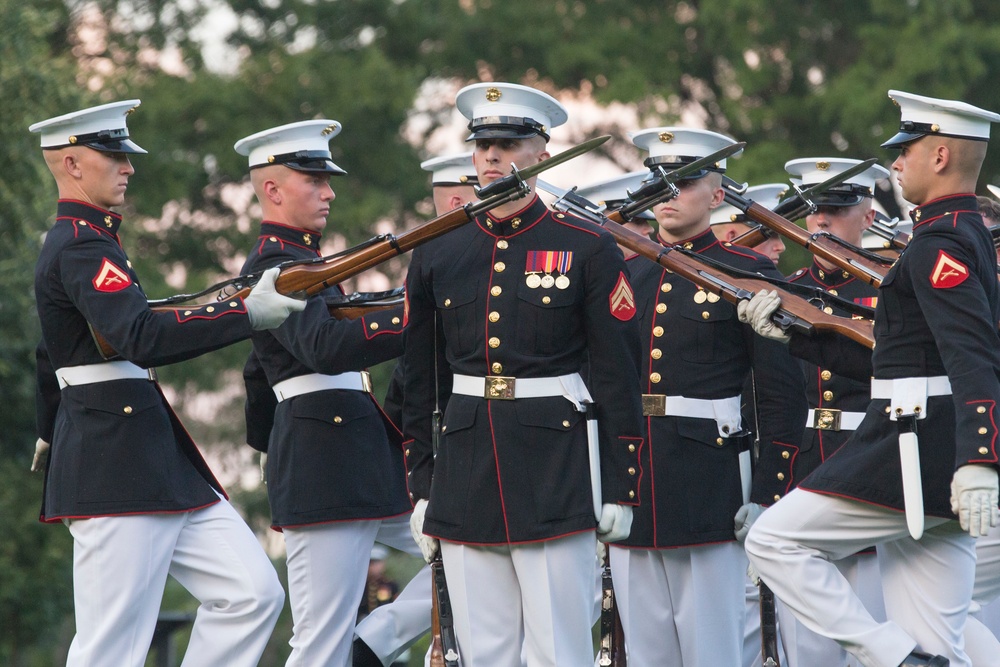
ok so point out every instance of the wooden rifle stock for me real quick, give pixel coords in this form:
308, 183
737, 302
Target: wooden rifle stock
442, 621
795, 313
437, 652
821, 245
301, 280
752, 238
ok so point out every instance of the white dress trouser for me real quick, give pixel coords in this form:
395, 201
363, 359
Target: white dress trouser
983, 626
120, 566
327, 569
537, 596
392, 628
927, 583
805, 648
681, 607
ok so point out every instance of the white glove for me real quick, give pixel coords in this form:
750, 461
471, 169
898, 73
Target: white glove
974, 491
266, 307
757, 313
745, 516
429, 546
615, 523
263, 467
41, 455
602, 552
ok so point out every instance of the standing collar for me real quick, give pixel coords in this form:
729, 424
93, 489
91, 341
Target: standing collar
942, 206
515, 223
829, 277
698, 243
98, 218
288, 234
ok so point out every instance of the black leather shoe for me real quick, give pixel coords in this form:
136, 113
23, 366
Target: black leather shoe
365, 657
918, 659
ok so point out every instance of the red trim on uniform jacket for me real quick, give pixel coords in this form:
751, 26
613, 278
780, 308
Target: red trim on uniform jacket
991, 406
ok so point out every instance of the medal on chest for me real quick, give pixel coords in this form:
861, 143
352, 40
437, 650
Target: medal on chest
540, 265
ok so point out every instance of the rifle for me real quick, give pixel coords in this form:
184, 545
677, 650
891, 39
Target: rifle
444, 645
797, 206
860, 263
796, 313
768, 627
612, 653
302, 279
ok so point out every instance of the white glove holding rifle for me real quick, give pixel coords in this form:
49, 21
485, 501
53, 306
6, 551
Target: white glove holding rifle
757, 313
615, 523
744, 519
429, 546
266, 307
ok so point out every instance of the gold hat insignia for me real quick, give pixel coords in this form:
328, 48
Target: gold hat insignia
823, 166
666, 137
329, 129
493, 94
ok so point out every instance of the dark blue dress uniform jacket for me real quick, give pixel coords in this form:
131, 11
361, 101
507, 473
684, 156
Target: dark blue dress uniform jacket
926, 330
689, 480
518, 471
117, 447
781, 468
332, 455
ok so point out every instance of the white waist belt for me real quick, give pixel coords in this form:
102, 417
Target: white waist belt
70, 376
307, 384
908, 396
725, 412
828, 419
503, 388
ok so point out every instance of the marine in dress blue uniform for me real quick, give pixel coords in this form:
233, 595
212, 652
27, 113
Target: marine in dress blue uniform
335, 473
936, 356
138, 497
522, 298
836, 403
679, 577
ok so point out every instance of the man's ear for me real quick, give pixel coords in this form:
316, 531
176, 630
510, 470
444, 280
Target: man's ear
454, 202
71, 165
271, 190
941, 158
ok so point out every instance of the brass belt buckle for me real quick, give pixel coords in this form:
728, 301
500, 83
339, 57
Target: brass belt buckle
654, 405
366, 381
826, 419
499, 388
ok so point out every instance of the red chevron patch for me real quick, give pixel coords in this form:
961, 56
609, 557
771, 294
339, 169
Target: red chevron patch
622, 299
948, 271
110, 278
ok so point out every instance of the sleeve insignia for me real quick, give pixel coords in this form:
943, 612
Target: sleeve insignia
622, 300
948, 271
110, 278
